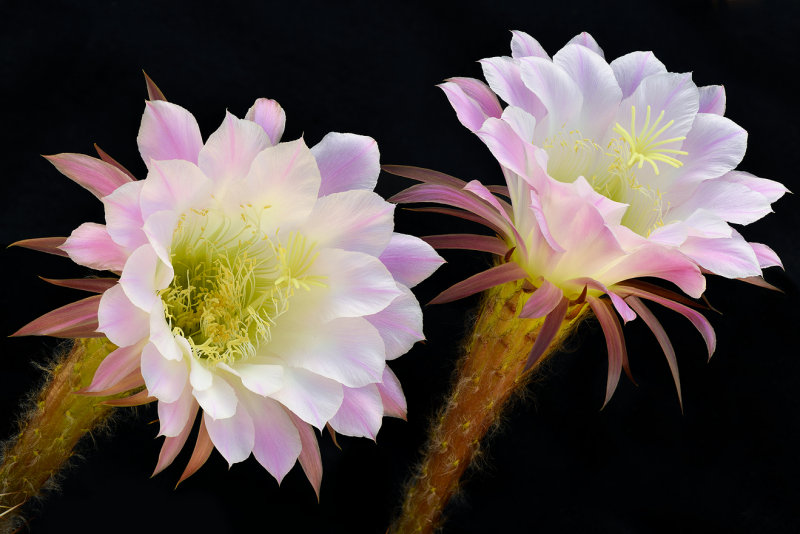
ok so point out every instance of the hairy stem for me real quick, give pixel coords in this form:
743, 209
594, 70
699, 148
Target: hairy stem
52, 427
487, 377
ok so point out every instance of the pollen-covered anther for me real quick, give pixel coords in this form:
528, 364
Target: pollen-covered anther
645, 147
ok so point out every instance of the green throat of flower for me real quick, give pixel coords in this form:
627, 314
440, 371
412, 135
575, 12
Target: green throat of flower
232, 281
612, 169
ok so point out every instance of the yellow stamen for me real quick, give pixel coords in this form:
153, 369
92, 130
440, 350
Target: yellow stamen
644, 146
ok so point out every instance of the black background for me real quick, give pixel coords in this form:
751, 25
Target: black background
70, 76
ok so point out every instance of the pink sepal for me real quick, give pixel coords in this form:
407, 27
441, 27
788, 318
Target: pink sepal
483, 243
172, 446
427, 176
202, 450
153, 92
310, 458
111, 161
77, 319
615, 342
499, 274
394, 402
117, 365
543, 301
137, 399
547, 334
93, 285
131, 381
49, 245
95, 175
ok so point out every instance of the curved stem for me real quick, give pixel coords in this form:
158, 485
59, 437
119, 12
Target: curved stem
52, 427
487, 377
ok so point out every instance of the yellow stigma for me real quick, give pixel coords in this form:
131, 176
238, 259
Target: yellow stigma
232, 281
644, 146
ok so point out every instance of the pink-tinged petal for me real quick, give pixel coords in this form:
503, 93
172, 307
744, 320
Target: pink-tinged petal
202, 450
663, 340
513, 152
174, 416
522, 122
615, 342
93, 285
483, 243
619, 303
550, 328
586, 40
472, 100
674, 94
143, 276
348, 350
219, 401
347, 161
161, 335
262, 379
729, 257
480, 191
394, 402
712, 99
597, 84
286, 178
172, 446
124, 215
696, 318
427, 176
356, 220
730, 201
111, 161
168, 131
542, 301
270, 116
399, 324
49, 245
715, 145
116, 366
234, 436
361, 412
632, 68
160, 229
310, 459
153, 92
313, 398
277, 442
137, 399
766, 256
504, 77
97, 176
523, 45
771, 189
77, 319
357, 284
229, 152
90, 245
499, 274
174, 185
409, 259
165, 379
659, 262
557, 91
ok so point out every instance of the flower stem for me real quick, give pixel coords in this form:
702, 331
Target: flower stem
51, 428
487, 376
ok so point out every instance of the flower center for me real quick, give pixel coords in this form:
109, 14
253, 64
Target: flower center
232, 281
645, 145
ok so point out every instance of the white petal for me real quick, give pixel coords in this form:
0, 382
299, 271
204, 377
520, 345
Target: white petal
260, 378
123, 323
557, 91
174, 185
586, 40
124, 216
361, 412
729, 257
313, 398
200, 377
233, 436
347, 161
174, 416
277, 442
161, 335
351, 220
218, 400
523, 45
632, 68
165, 379
399, 324
504, 77
230, 150
410, 259
143, 276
